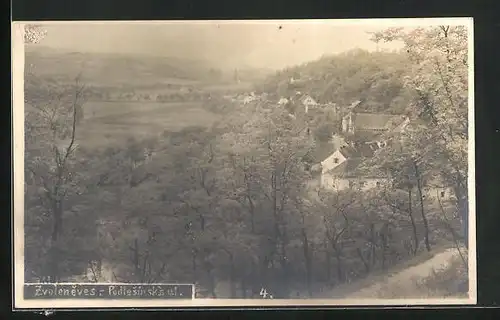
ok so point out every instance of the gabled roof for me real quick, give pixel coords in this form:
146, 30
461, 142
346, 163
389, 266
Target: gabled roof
368, 135
346, 168
399, 127
306, 97
372, 121
353, 105
323, 151
348, 151
397, 122
361, 150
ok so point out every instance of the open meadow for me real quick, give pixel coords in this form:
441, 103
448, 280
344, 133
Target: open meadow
108, 123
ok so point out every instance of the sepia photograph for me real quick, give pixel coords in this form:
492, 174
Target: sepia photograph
243, 163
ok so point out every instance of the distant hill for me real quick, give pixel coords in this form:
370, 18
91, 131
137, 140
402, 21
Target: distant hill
115, 69
377, 78
248, 74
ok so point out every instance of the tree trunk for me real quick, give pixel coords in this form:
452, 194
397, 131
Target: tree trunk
135, 254
54, 249
413, 224
365, 263
211, 280
194, 265
284, 261
422, 209
243, 287
383, 238
202, 222
308, 262
373, 242
463, 209
252, 213
232, 276
340, 271
263, 273
328, 262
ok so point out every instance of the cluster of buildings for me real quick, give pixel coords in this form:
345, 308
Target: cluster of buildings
341, 161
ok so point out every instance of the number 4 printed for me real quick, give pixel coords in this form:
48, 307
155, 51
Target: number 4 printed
264, 293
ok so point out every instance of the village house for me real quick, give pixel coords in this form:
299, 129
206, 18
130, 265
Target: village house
339, 171
351, 175
344, 152
283, 101
249, 98
360, 122
340, 163
354, 122
308, 102
338, 159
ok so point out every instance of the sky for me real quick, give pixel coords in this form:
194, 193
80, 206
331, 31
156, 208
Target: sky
275, 44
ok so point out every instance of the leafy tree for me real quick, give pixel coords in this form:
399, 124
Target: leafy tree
438, 79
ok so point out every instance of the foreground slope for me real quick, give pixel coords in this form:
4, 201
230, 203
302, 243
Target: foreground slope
439, 275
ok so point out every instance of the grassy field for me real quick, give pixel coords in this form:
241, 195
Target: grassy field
113, 122
100, 109
243, 86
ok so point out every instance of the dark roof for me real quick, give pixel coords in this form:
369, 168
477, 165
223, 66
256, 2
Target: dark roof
396, 123
346, 168
372, 121
368, 135
323, 151
353, 105
348, 151
361, 150
353, 168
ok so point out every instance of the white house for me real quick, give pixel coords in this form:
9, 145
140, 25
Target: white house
348, 175
308, 102
334, 160
249, 98
339, 157
283, 101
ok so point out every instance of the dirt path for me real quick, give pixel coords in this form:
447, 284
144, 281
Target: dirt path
400, 284
403, 284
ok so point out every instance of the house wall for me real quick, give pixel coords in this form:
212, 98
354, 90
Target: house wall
330, 182
329, 163
344, 124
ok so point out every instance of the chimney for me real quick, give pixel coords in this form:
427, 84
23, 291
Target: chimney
338, 141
